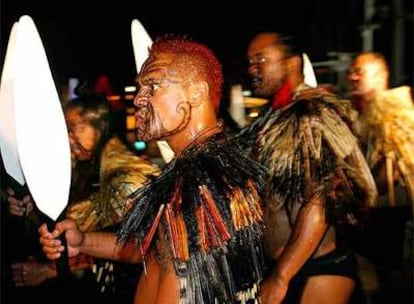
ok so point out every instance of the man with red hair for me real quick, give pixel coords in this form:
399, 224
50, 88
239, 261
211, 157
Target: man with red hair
197, 228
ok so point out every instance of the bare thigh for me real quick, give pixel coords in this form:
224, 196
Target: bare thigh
327, 289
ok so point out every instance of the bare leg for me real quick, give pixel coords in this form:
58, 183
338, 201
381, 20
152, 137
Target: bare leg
327, 289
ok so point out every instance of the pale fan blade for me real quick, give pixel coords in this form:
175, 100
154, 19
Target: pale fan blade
141, 41
308, 72
42, 136
8, 142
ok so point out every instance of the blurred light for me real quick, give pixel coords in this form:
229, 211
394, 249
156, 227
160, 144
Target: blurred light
140, 145
252, 102
114, 98
130, 89
129, 97
130, 110
253, 114
130, 122
73, 84
247, 93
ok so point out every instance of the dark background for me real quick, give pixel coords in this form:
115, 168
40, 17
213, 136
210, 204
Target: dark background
86, 38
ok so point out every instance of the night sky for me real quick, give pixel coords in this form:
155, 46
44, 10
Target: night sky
85, 42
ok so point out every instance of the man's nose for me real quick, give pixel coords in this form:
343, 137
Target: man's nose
252, 69
141, 98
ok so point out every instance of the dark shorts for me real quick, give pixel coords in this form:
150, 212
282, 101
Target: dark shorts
339, 263
334, 263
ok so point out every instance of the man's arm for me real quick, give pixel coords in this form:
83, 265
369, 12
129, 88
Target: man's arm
309, 228
105, 245
96, 244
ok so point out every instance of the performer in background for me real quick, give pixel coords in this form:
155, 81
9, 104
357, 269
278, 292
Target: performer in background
318, 177
385, 127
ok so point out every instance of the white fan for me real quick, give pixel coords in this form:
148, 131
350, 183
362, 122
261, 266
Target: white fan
8, 140
41, 133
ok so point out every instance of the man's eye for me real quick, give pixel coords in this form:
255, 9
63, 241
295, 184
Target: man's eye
257, 60
78, 129
155, 87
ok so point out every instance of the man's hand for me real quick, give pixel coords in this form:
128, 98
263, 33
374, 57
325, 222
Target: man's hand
19, 207
273, 290
31, 272
53, 247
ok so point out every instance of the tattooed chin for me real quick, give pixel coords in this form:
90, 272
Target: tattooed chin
149, 132
143, 134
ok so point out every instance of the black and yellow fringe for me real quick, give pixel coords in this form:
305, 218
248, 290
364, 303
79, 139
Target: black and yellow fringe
208, 202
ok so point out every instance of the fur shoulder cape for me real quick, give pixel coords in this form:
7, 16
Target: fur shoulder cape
309, 149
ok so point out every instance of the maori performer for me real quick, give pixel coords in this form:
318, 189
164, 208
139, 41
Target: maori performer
318, 178
385, 127
197, 227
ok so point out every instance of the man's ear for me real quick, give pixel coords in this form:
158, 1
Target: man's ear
198, 92
294, 64
382, 79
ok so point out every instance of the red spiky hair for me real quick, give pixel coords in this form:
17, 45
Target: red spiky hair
195, 59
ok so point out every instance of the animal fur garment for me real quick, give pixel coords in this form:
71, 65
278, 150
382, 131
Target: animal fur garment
387, 131
310, 151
